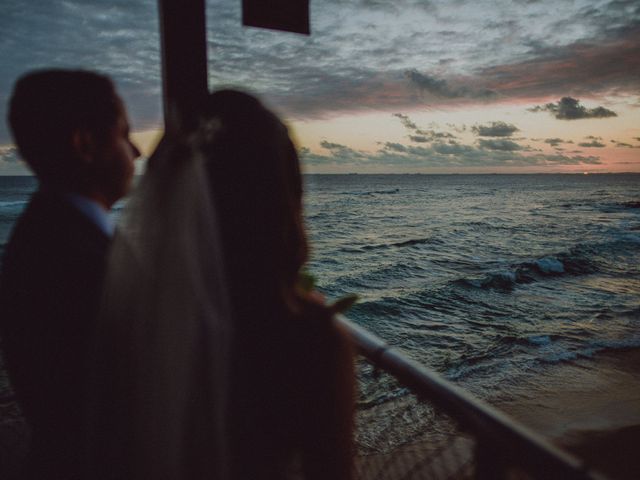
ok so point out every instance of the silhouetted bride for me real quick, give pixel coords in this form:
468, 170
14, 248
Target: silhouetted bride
212, 361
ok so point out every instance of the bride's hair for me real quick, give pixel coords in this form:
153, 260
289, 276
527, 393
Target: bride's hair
257, 191
257, 185
290, 378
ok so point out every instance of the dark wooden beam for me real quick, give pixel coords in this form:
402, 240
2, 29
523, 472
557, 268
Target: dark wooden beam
183, 41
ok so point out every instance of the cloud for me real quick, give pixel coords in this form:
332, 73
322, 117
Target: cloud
494, 129
332, 146
431, 136
599, 63
449, 149
430, 84
554, 142
117, 38
444, 155
620, 144
596, 142
342, 150
338, 153
441, 88
502, 145
406, 121
568, 108
457, 128
361, 59
422, 135
396, 147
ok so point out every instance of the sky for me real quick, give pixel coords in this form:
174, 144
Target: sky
404, 86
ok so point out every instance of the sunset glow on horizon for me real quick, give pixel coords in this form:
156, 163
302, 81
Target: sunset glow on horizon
609, 144
404, 87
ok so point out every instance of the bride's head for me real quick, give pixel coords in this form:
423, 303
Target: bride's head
257, 187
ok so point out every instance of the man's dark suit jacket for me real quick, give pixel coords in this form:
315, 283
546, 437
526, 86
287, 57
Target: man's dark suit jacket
50, 290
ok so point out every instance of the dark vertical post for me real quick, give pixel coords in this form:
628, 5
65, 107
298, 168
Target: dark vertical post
184, 57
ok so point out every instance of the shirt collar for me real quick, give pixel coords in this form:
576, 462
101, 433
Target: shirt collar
93, 211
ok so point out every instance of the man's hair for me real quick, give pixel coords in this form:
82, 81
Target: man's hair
48, 106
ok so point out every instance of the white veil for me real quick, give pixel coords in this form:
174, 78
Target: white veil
158, 396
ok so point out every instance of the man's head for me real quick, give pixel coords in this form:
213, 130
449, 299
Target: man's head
72, 130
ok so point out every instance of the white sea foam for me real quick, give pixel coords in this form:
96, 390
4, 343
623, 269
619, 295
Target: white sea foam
550, 265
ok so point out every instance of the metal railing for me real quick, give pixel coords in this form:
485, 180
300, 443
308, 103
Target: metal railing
451, 433
417, 426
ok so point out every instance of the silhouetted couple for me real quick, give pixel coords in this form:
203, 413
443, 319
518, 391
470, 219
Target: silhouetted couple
185, 347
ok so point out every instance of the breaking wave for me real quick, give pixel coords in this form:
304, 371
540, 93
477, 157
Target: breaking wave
528, 272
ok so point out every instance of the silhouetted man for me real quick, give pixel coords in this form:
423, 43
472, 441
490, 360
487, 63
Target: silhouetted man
71, 128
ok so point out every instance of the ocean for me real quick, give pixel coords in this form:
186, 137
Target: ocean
487, 279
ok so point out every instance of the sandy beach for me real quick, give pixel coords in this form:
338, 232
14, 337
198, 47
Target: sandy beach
589, 406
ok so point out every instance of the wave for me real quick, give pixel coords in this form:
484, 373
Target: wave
404, 243
581, 259
572, 263
392, 191
583, 204
606, 207
539, 350
557, 353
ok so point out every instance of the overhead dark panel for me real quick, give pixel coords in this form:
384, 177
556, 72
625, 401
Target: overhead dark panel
287, 15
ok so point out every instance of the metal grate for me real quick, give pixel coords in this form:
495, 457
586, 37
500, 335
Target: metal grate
413, 424
400, 437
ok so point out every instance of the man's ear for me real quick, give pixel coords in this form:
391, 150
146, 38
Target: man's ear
84, 145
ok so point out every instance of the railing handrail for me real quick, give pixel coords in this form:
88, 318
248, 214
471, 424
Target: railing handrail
518, 445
